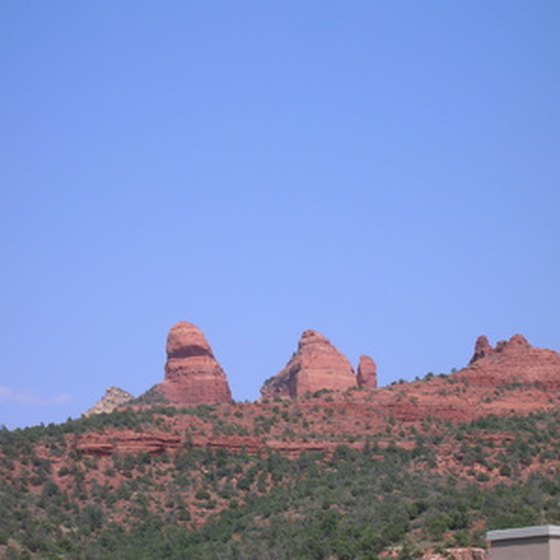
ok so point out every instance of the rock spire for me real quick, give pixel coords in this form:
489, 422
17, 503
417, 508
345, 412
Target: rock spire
192, 373
367, 373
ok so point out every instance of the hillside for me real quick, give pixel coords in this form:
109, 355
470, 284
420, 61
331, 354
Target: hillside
406, 471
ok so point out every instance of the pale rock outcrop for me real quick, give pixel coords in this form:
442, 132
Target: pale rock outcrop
111, 400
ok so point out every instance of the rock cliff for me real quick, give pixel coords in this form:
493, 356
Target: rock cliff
192, 373
316, 365
511, 362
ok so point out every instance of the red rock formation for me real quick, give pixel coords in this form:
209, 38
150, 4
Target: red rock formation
367, 373
192, 374
513, 361
316, 365
125, 442
482, 348
517, 343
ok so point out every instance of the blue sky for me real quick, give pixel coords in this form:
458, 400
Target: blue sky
384, 172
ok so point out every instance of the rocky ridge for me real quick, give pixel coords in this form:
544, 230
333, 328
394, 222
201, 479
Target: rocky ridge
510, 362
510, 376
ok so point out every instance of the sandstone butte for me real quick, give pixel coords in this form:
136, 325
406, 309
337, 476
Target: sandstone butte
511, 362
318, 365
192, 374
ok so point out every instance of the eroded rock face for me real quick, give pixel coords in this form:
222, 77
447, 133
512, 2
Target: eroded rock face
111, 400
482, 348
316, 365
367, 373
125, 442
155, 442
192, 373
512, 361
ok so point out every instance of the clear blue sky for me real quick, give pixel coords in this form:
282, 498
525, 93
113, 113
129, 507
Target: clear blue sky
387, 173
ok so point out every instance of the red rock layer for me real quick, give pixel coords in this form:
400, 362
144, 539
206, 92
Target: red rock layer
192, 374
316, 365
126, 442
367, 373
129, 442
513, 361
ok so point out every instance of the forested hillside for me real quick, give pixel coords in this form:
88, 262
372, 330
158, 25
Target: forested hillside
405, 491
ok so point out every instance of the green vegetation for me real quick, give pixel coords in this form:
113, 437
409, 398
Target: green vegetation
57, 503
